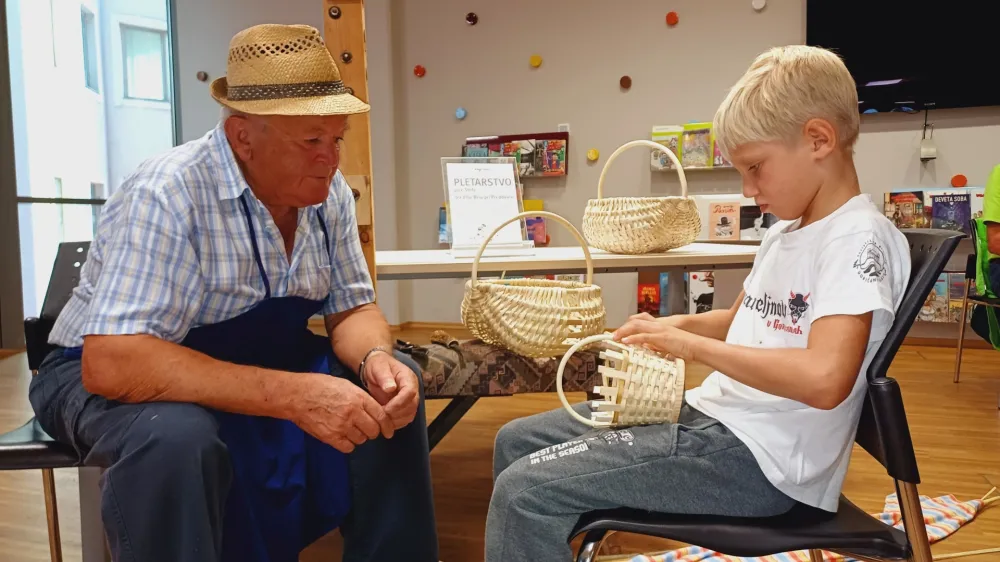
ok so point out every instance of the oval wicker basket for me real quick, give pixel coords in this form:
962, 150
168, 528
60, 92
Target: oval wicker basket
641, 225
639, 386
533, 317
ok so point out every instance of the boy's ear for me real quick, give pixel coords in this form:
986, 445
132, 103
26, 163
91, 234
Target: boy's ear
820, 137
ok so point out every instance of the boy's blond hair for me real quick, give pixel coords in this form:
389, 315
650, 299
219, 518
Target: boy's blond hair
783, 88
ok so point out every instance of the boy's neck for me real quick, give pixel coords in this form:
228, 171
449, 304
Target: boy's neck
832, 195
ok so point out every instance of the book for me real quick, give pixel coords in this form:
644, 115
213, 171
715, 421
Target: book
754, 223
951, 212
719, 161
905, 209
724, 220
670, 137
696, 146
956, 293
664, 293
701, 291
649, 298
443, 230
936, 306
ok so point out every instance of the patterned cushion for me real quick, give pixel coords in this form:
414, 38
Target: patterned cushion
472, 368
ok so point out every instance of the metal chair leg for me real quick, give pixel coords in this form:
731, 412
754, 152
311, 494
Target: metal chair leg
591, 546
52, 514
913, 522
961, 329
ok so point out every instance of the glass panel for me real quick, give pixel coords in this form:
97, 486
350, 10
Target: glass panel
43, 227
76, 66
144, 50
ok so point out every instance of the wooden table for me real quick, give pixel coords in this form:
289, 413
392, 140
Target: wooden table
440, 264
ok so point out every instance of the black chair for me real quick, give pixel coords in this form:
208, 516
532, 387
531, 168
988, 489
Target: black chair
969, 298
28, 447
883, 432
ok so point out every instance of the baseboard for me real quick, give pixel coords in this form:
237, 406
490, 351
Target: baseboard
970, 343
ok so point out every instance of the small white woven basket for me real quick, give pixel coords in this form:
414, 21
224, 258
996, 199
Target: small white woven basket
533, 317
639, 386
641, 225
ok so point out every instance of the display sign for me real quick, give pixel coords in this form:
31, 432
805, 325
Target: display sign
480, 194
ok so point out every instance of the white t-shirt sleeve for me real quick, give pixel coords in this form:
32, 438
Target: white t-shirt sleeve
854, 275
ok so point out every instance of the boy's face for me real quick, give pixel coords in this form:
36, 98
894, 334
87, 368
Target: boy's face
783, 177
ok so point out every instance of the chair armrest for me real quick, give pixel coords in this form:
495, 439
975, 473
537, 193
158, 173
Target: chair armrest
36, 338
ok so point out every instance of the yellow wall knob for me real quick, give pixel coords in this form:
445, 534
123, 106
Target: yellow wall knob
593, 154
536, 61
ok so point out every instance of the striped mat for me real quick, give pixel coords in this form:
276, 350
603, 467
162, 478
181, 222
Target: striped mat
943, 516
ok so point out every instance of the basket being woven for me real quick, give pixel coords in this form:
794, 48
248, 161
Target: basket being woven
639, 386
533, 317
640, 225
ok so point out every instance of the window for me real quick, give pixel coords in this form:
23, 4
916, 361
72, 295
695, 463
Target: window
62, 209
89, 49
96, 192
144, 54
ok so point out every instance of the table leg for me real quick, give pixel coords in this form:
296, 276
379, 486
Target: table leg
94, 545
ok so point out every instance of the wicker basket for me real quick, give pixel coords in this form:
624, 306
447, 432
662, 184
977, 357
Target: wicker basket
639, 386
533, 317
640, 225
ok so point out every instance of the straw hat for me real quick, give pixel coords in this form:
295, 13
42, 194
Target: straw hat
283, 70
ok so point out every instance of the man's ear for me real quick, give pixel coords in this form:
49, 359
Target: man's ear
820, 136
238, 132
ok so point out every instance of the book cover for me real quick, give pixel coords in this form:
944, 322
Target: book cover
754, 223
701, 291
956, 292
443, 231
649, 298
718, 161
670, 137
575, 277
664, 293
906, 209
696, 146
553, 153
724, 220
951, 212
936, 306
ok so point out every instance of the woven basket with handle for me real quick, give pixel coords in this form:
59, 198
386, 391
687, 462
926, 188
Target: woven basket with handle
533, 317
639, 386
640, 225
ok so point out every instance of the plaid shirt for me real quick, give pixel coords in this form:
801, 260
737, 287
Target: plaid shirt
173, 251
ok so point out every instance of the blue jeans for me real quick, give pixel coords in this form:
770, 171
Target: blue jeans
168, 474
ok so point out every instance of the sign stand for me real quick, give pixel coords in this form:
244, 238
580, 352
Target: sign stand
480, 194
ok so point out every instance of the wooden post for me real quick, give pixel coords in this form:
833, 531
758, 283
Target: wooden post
344, 33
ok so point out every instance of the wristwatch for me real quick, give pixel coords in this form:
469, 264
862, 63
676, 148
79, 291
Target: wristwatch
361, 367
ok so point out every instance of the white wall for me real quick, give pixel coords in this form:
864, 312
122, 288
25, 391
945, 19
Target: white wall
202, 33
679, 74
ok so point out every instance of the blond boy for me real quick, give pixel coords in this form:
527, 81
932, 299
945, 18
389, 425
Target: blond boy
774, 423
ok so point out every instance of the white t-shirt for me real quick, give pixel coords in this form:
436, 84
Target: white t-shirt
850, 262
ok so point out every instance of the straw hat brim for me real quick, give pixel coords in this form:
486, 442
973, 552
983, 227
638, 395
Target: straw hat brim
334, 104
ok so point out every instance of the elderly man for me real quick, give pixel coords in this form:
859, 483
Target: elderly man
185, 364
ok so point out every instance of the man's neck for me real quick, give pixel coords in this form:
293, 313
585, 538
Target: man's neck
831, 196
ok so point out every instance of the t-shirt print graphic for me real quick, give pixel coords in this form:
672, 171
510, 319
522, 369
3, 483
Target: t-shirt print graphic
781, 316
798, 304
871, 262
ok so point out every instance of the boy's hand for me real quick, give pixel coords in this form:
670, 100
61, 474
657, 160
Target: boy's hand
658, 336
664, 320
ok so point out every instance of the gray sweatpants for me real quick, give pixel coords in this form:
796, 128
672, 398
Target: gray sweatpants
549, 469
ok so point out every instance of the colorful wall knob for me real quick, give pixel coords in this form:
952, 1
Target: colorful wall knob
536, 61
672, 18
959, 180
625, 82
593, 155
419, 71
460, 113
471, 18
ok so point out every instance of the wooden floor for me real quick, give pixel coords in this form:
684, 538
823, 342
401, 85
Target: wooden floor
955, 427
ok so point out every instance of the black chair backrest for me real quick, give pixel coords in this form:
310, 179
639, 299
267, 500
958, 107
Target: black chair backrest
65, 276
883, 430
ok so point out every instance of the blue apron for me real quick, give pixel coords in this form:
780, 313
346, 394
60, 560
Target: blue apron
288, 488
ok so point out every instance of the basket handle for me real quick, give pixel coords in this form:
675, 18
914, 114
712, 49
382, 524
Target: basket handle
562, 367
557, 218
651, 144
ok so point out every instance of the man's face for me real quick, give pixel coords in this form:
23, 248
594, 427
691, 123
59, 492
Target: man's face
781, 178
289, 161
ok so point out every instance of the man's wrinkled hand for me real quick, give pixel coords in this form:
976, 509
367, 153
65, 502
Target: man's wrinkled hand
393, 385
338, 413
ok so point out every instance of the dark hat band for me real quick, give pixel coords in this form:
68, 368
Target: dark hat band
281, 91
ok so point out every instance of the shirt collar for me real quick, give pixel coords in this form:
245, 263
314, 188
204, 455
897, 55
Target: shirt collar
227, 171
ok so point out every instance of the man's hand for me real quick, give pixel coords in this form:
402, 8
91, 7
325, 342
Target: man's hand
657, 335
394, 386
338, 413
